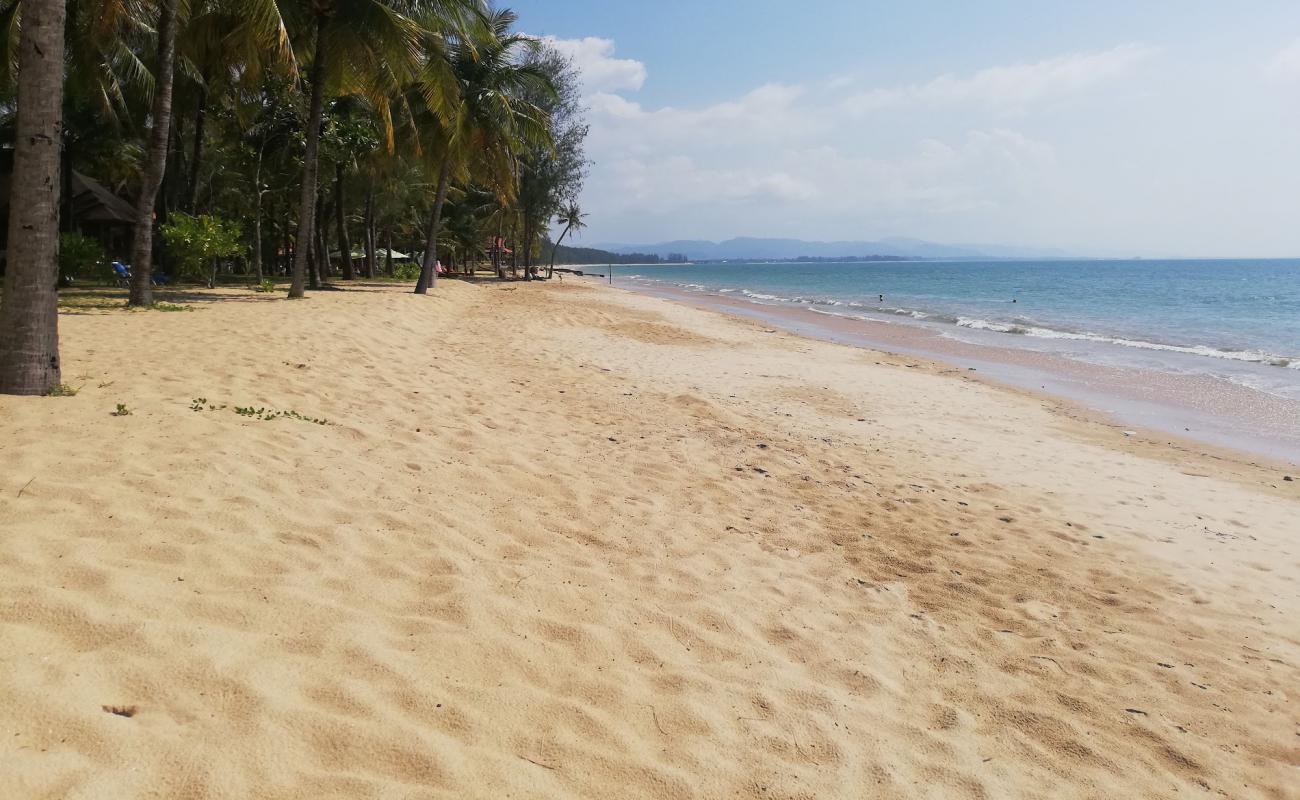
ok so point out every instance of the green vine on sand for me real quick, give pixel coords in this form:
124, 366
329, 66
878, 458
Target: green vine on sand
264, 414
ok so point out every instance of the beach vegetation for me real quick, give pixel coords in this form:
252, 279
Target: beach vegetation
199, 243
304, 142
80, 258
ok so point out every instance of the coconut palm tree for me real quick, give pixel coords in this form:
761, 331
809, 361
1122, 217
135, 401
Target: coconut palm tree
155, 163
572, 218
29, 314
224, 46
245, 28
370, 48
491, 120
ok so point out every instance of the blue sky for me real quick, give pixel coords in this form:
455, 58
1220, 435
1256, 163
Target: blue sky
1127, 128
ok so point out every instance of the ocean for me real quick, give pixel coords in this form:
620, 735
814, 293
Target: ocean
1231, 321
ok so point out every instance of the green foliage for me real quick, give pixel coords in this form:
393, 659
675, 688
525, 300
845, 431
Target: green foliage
406, 270
160, 306
266, 286
122, 411
267, 414
82, 257
196, 242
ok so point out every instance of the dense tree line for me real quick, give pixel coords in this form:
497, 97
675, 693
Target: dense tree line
279, 138
563, 254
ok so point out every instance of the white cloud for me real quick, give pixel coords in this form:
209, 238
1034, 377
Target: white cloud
770, 113
974, 173
1285, 64
990, 155
601, 72
1010, 86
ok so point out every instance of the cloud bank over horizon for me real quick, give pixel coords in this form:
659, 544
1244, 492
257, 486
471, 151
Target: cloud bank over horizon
1133, 147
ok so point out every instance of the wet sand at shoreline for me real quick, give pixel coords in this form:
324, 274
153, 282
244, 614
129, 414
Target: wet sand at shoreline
1195, 407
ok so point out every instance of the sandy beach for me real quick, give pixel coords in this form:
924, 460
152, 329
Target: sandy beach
566, 541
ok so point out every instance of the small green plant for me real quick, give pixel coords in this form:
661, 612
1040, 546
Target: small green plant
200, 403
62, 390
266, 286
122, 411
160, 306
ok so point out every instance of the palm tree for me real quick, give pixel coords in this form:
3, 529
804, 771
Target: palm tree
365, 47
29, 313
155, 163
244, 30
573, 219
490, 119
226, 45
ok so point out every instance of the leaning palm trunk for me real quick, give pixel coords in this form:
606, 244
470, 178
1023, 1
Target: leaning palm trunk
550, 269
155, 164
29, 312
307, 206
428, 270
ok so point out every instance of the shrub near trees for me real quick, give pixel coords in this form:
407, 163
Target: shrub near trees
284, 135
199, 243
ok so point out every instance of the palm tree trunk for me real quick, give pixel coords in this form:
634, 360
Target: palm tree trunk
497, 243
307, 204
257, 216
514, 251
322, 241
318, 270
428, 271
289, 246
388, 251
340, 212
370, 233
196, 161
550, 270
29, 309
155, 164
528, 249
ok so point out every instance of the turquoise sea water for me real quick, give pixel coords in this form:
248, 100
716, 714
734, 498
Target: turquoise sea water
1234, 319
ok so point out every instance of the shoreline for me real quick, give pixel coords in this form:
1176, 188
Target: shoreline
1196, 410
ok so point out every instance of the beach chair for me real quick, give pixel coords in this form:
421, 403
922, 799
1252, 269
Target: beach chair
121, 274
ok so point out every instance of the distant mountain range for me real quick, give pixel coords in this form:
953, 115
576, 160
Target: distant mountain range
763, 249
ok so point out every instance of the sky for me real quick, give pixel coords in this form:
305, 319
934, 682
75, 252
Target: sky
1100, 128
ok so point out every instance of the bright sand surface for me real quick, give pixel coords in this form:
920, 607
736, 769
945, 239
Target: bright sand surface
564, 541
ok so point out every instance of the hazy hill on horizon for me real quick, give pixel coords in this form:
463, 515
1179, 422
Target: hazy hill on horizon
745, 247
